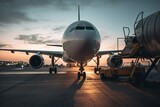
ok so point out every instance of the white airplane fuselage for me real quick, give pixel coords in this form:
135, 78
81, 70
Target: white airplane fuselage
81, 42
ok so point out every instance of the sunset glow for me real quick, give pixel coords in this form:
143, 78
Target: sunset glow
33, 24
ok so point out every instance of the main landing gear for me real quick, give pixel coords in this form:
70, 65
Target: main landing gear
97, 68
81, 73
53, 68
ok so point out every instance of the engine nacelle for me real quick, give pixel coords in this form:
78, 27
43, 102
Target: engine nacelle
114, 61
36, 61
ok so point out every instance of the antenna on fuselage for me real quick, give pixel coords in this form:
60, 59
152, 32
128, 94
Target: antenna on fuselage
78, 12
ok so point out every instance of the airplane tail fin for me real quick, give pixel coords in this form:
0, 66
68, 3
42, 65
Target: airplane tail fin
78, 12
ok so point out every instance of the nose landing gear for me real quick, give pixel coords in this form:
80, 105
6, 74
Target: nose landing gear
81, 73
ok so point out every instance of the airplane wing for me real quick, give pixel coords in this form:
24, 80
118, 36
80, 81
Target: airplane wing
100, 53
50, 53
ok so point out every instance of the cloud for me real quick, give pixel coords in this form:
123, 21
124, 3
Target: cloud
104, 36
10, 12
112, 1
37, 39
59, 28
5, 45
99, 3
1, 25
13, 16
13, 11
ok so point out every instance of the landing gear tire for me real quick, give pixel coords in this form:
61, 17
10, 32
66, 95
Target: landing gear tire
50, 70
78, 75
55, 70
84, 75
95, 70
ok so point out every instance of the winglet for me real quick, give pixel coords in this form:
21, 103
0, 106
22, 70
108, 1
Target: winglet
78, 12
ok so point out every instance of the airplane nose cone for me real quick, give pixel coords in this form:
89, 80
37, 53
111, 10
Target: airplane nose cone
86, 45
85, 42
85, 49
86, 37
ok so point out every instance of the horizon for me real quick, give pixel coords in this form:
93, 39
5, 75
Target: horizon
33, 24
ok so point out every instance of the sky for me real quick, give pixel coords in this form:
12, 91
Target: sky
31, 24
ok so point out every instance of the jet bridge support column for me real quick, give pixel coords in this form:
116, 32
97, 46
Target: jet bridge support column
81, 73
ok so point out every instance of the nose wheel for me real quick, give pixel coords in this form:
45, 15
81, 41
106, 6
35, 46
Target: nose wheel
81, 74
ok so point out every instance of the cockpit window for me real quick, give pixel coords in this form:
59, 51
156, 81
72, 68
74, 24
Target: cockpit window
73, 29
80, 28
89, 28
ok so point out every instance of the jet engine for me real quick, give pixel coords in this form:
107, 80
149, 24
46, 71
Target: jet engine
114, 61
36, 61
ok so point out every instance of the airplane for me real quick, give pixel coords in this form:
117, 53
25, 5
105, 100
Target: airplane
80, 42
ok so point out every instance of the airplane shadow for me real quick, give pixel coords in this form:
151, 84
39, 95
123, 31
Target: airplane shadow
19, 83
71, 92
151, 88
